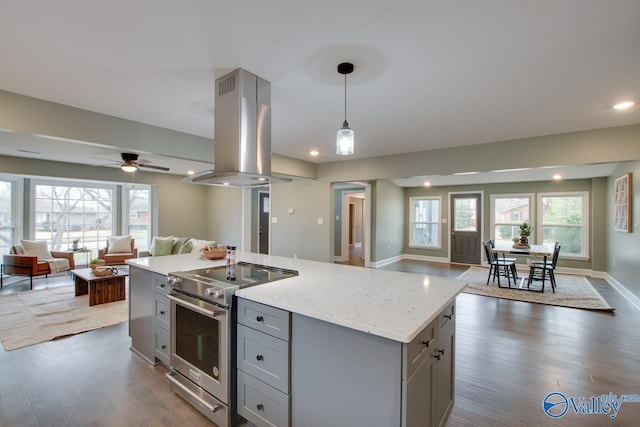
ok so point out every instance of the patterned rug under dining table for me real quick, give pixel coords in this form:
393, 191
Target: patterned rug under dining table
101, 289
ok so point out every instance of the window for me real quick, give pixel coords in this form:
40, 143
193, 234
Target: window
10, 190
63, 212
137, 214
564, 218
508, 211
425, 222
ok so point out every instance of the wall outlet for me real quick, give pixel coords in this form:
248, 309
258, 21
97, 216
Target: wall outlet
320, 221
291, 211
274, 220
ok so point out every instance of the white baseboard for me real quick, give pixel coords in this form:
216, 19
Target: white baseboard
338, 259
387, 261
626, 293
414, 257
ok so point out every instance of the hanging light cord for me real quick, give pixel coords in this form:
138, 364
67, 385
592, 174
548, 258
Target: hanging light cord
345, 98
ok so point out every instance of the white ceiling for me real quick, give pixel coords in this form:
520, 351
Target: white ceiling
428, 74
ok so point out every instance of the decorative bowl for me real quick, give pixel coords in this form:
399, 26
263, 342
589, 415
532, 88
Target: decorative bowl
214, 253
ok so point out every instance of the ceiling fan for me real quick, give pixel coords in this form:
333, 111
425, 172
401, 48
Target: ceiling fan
131, 163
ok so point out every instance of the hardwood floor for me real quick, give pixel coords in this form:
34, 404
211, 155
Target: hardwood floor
510, 355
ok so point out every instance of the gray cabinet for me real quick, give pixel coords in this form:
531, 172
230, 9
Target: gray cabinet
149, 315
263, 353
162, 320
429, 388
340, 376
445, 367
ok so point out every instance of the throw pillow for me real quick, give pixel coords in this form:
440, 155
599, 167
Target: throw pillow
119, 244
153, 242
177, 244
162, 247
198, 245
38, 248
186, 248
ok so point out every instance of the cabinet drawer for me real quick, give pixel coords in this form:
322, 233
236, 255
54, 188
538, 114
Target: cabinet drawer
261, 404
448, 315
419, 349
264, 318
162, 343
265, 357
162, 314
162, 285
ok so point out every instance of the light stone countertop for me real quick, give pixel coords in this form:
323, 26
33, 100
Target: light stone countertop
389, 304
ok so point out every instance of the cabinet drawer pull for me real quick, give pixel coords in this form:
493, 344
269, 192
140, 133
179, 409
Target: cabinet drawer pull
162, 285
425, 343
164, 347
162, 312
448, 316
440, 350
260, 319
259, 406
437, 356
260, 357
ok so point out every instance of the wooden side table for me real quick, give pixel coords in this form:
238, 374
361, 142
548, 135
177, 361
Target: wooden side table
101, 289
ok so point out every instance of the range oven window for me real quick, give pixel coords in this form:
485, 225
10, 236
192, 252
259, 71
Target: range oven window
197, 340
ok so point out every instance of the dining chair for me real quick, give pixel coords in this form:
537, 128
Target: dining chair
498, 267
504, 258
541, 270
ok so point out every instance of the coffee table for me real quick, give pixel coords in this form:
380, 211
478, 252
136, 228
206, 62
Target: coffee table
101, 289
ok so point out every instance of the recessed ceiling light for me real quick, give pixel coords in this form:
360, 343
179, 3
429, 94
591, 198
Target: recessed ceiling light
624, 105
465, 173
557, 177
314, 153
225, 183
262, 178
511, 170
190, 172
427, 184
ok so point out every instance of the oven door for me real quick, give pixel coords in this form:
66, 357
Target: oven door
200, 344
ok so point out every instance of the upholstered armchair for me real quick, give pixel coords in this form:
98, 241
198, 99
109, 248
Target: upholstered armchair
118, 250
32, 264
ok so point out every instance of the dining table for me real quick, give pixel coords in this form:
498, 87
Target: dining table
543, 251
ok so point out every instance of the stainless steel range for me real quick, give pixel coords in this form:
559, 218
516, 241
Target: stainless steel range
203, 334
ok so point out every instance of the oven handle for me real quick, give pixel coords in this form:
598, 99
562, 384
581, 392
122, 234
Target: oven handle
194, 307
211, 408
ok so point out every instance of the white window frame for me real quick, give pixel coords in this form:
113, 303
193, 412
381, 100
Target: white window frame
153, 213
412, 200
530, 196
17, 203
586, 234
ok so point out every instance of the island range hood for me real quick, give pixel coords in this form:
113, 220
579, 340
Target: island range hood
242, 133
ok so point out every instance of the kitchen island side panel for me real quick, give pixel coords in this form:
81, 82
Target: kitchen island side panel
343, 377
141, 312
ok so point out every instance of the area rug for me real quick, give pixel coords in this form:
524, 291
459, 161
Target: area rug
33, 317
571, 291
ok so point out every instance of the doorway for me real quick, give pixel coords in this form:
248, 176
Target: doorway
465, 225
353, 223
263, 226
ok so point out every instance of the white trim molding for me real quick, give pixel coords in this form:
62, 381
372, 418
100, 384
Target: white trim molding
626, 293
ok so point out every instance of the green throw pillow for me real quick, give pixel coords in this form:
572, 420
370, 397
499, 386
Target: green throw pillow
162, 247
186, 248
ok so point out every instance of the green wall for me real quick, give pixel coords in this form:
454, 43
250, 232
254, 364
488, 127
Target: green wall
182, 207
387, 219
623, 262
597, 198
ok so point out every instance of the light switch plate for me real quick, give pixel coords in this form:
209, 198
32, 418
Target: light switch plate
320, 221
274, 220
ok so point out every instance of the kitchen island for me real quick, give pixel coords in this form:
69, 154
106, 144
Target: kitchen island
355, 346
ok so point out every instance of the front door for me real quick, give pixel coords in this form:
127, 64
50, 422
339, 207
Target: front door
263, 242
465, 228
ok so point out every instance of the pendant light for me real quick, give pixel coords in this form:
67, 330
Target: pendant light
346, 137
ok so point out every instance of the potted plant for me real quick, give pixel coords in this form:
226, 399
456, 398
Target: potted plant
74, 243
525, 232
95, 262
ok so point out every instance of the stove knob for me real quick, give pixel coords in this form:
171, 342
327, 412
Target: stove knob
175, 281
213, 293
